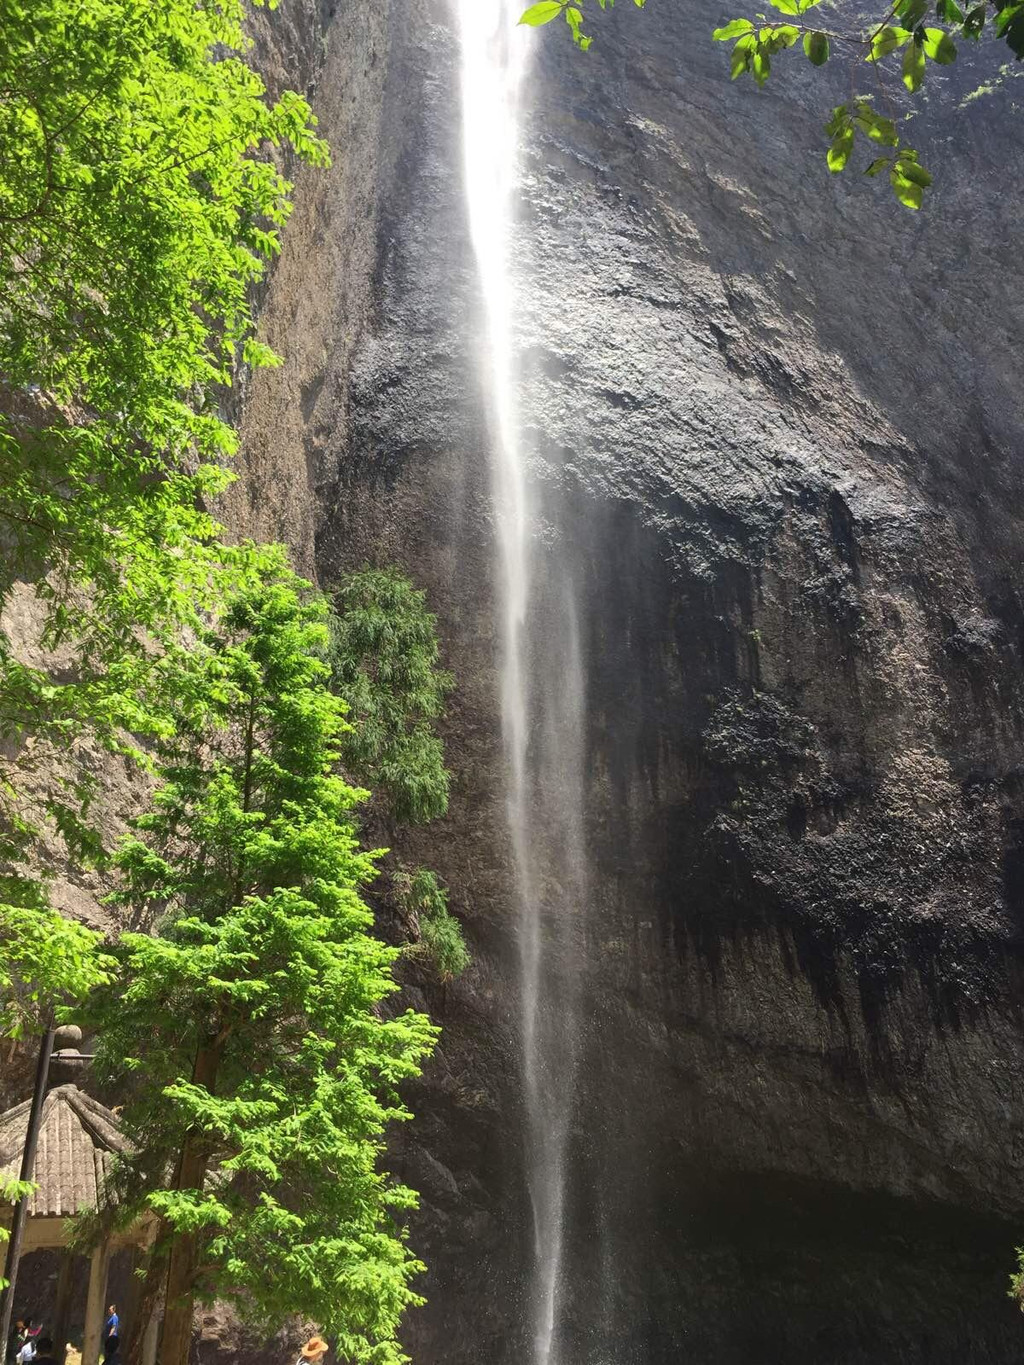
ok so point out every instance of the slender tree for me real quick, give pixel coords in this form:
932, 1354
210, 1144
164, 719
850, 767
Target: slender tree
259, 1065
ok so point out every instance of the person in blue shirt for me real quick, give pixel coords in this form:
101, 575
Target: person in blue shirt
111, 1332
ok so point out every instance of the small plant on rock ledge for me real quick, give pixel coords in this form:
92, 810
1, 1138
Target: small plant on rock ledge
438, 933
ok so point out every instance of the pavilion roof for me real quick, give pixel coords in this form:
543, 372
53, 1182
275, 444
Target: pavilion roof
77, 1141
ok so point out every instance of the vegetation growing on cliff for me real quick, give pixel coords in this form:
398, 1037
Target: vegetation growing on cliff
138, 204
384, 659
437, 932
898, 46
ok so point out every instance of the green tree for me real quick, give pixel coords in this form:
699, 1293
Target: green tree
138, 204
46, 962
384, 659
247, 1033
899, 45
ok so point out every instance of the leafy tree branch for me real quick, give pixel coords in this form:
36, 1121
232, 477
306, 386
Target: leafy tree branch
900, 40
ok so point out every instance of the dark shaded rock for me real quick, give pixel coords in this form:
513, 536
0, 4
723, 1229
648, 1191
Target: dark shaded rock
774, 420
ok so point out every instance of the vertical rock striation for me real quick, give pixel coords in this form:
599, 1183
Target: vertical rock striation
776, 425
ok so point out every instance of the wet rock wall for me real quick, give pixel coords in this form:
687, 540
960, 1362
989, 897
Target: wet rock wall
776, 425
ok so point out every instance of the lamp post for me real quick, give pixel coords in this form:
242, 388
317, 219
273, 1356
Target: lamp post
28, 1161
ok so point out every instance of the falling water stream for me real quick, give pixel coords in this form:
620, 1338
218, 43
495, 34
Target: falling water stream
540, 664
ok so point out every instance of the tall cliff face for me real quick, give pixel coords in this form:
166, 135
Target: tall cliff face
776, 425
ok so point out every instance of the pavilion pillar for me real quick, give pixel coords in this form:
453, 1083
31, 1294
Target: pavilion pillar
62, 1306
95, 1305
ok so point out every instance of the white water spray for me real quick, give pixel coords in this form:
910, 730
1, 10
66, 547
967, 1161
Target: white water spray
494, 59
541, 695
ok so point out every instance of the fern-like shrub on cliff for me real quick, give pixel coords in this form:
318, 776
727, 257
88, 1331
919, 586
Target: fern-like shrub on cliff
385, 662
247, 1035
384, 657
438, 934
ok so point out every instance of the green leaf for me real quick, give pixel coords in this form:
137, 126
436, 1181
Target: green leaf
887, 40
783, 36
787, 6
541, 13
761, 65
839, 152
1010, 27
873, 125
742, 55
910, 170
816, 48
975, 22
906, 191
911, 12
840, 119
879, 164
939, 46
950, 11
734, 29
913, 67
805, 5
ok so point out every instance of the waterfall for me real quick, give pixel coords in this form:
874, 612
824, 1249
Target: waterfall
540, 666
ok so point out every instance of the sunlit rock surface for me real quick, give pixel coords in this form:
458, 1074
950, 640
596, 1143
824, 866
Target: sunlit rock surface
779, 420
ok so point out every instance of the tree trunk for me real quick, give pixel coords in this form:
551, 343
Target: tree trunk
148, 1300
181, 1265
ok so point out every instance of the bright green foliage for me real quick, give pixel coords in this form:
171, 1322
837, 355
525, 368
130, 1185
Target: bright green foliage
46, 961
1016, 1290
248, 1031
545, 10
909, 180
439, 934
383, 655
754, 45
138, 204
11, 1191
